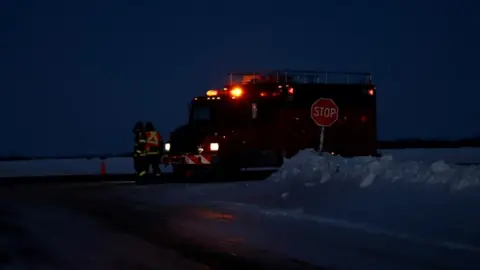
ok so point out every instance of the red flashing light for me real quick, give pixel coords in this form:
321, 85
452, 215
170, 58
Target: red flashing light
371, 92
290, 91
263, 94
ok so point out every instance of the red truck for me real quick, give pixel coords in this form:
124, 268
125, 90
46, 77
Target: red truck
258, 118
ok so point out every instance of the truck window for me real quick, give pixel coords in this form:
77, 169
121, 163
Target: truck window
221, 113
201, 113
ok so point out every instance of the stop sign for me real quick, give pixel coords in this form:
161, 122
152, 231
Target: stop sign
324, 112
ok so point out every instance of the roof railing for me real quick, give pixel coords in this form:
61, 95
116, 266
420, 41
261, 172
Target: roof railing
300, 77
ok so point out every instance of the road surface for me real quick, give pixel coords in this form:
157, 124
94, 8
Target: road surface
85, 224
73, 224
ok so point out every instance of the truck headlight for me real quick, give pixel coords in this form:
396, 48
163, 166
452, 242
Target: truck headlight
214, 147
167, 147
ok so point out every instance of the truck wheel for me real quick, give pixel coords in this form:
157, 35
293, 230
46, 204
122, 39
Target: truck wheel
225, 173
228, 166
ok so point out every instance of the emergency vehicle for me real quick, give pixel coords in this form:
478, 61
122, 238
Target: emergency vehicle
257, 119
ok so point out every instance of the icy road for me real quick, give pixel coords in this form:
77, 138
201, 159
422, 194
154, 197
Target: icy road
80, 227
316, 212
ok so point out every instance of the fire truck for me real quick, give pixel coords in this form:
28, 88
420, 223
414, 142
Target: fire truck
260, 118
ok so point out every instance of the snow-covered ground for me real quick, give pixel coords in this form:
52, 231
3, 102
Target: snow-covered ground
361, 213
67, 167
125, 166
462, 155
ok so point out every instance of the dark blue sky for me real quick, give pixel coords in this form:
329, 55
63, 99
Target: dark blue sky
76, 75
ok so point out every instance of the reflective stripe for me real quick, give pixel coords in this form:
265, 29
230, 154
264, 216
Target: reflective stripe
153, 138
197, 159
188, 160
142, 173
203, 160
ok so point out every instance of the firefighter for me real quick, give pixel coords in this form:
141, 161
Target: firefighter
139, 155
153, 149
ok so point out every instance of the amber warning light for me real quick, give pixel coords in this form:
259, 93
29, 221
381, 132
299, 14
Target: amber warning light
212, 93
236, 92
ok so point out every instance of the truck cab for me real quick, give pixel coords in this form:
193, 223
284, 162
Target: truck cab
257, 119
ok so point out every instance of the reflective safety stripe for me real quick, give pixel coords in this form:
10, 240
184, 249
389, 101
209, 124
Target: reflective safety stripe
142, 173
197, 159
153, 138
203, 160
188, 160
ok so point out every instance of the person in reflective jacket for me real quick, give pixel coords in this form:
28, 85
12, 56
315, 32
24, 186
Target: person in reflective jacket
153, 148
139, 154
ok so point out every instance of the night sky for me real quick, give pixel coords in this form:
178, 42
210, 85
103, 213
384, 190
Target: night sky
76, 75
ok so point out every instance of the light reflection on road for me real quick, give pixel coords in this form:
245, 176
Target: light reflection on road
212, 214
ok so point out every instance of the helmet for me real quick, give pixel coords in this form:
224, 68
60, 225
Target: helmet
149, 126
138, 127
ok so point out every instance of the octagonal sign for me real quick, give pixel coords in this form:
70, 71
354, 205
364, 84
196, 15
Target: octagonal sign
324, 112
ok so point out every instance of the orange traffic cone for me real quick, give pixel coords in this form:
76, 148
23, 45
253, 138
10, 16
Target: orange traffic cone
103, 169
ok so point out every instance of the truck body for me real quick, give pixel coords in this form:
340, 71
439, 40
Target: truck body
258, 119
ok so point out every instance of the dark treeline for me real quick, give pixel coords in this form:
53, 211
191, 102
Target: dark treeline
394, 144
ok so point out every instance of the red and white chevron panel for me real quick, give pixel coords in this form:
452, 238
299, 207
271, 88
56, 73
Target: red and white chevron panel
198, 159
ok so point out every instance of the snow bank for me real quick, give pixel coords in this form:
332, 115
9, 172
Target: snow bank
427, 199
65, 167
49, 167
313, 168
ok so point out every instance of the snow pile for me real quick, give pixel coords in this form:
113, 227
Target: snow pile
430, 200
310, 168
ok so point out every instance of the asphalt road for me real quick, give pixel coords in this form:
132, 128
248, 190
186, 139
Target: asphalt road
160, 226
187, 236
